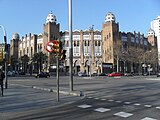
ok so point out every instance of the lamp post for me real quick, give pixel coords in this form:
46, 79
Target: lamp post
5, 41
90, 50
71, 44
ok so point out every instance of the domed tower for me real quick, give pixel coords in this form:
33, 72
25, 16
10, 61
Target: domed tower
51, 31
51, 18
152, 39
14, 50
110, 17
110, 34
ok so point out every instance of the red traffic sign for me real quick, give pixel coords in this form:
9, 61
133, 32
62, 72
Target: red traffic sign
49, 46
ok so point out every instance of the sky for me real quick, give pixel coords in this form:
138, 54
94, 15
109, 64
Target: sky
28, 16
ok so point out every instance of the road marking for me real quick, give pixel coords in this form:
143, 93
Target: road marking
127, 102
147, 118
158, 107
110, 100
147, 105
137, 104
96, 98
103, 99
102, 109
118, 101
90, 97
123, 114
85, 106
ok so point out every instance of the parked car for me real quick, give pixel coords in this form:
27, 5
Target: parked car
158, 74
11, 73
94, 74
42, 74
21, 73
81, 74
102, 74
128, 74
113, 74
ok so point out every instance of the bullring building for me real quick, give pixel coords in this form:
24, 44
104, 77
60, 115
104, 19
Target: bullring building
94, 51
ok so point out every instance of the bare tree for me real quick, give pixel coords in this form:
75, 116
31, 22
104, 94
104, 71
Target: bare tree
135, 55
151, 58
117, 52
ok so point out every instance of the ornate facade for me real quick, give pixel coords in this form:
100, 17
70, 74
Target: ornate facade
94, 51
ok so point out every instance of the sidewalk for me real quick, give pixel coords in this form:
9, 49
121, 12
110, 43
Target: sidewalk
20, 100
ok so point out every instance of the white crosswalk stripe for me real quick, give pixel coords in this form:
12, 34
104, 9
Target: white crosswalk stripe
147, 105
137, 104
123, 114
158, 107
127, 102
147, 118
118, 101
84, 106
102, 109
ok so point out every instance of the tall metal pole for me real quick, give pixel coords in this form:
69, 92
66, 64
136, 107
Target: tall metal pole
71, 45
57, 78
5, 41
90, 54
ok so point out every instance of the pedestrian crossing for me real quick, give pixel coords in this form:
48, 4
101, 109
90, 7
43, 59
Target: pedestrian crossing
109, 106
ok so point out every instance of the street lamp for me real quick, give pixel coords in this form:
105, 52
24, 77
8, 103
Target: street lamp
71, 44
5, 41
90, 54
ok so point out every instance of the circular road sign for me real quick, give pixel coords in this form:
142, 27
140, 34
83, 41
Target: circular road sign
49, 46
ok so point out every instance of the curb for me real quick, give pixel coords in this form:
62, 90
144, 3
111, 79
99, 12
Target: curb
74, 93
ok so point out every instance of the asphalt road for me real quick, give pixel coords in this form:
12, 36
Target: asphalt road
129, 98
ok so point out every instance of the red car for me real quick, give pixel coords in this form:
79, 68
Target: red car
113, 74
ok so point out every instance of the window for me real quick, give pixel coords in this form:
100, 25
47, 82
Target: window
99, 44
95, 43
77, 43
67, 44
31, 51
27, 49
109, 34
85, 43
74, 43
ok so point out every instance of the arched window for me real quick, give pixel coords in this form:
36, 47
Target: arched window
99, 44
77, 43
74, 43
85, 43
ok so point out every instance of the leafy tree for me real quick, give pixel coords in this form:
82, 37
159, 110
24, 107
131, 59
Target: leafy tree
25, 60
39, 58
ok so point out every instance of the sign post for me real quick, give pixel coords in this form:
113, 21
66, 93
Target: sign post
51, 48
57, 78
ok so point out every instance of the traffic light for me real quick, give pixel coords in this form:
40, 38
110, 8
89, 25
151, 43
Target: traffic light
1, 56
63, 55
57, 47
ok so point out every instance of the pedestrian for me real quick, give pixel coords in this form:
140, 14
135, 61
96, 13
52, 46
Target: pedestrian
2, 76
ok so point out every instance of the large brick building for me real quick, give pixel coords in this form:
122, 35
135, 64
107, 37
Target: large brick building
94, 51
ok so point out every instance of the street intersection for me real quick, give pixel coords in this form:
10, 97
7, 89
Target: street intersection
124, 98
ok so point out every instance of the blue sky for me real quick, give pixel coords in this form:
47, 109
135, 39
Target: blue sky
28, 16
